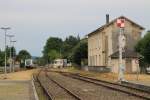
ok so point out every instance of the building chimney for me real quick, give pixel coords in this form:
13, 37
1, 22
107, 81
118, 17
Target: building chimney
107, 18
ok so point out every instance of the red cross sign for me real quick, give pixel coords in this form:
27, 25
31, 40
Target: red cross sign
121, 23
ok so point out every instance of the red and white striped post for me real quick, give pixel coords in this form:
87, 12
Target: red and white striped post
121, 25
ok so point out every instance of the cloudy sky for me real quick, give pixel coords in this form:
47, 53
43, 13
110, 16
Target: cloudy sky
33, 21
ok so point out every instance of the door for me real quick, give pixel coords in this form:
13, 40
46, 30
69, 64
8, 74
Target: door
128, 66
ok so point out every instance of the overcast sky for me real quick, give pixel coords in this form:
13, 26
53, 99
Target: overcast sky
33, 21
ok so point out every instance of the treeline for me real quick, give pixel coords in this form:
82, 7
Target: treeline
72, 48
2, 55
20, 57
143, 48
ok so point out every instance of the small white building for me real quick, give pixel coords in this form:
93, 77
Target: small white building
59, 63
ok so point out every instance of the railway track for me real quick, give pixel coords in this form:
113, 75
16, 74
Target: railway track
56, 90
53, 89
98, 80
114, 86
36, 77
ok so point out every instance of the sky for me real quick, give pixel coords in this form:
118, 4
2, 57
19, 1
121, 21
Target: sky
34, 21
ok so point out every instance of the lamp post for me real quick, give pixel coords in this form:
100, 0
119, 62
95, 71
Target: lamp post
10, 62
5, 30
13, 56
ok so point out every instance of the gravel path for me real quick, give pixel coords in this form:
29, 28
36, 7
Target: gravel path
89, 91
16, 90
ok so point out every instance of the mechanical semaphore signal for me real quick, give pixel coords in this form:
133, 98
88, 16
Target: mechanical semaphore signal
121, 39
121, 23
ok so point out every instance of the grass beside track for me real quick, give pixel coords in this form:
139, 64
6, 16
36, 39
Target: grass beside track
143, 78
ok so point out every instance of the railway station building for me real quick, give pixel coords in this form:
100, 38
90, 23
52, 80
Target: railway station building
103, 46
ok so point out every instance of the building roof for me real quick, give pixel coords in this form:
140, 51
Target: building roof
111, 22
126, 54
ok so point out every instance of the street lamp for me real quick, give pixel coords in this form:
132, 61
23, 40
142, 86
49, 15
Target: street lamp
10, 62
13, 55
5, 30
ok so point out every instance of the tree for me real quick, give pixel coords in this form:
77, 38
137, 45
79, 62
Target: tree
68, 45
80, 52
53, 54
143, 47
2, 58
56, 48
53, 45
2, 55
22, 55
13, 51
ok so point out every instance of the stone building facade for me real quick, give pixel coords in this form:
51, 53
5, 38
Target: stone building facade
103, 43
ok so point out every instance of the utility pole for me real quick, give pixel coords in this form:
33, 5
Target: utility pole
5, 30
10, 58
13, 56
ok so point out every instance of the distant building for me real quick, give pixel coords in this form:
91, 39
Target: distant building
60, 63
103, 46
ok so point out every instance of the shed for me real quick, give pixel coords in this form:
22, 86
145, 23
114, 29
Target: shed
130, 61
